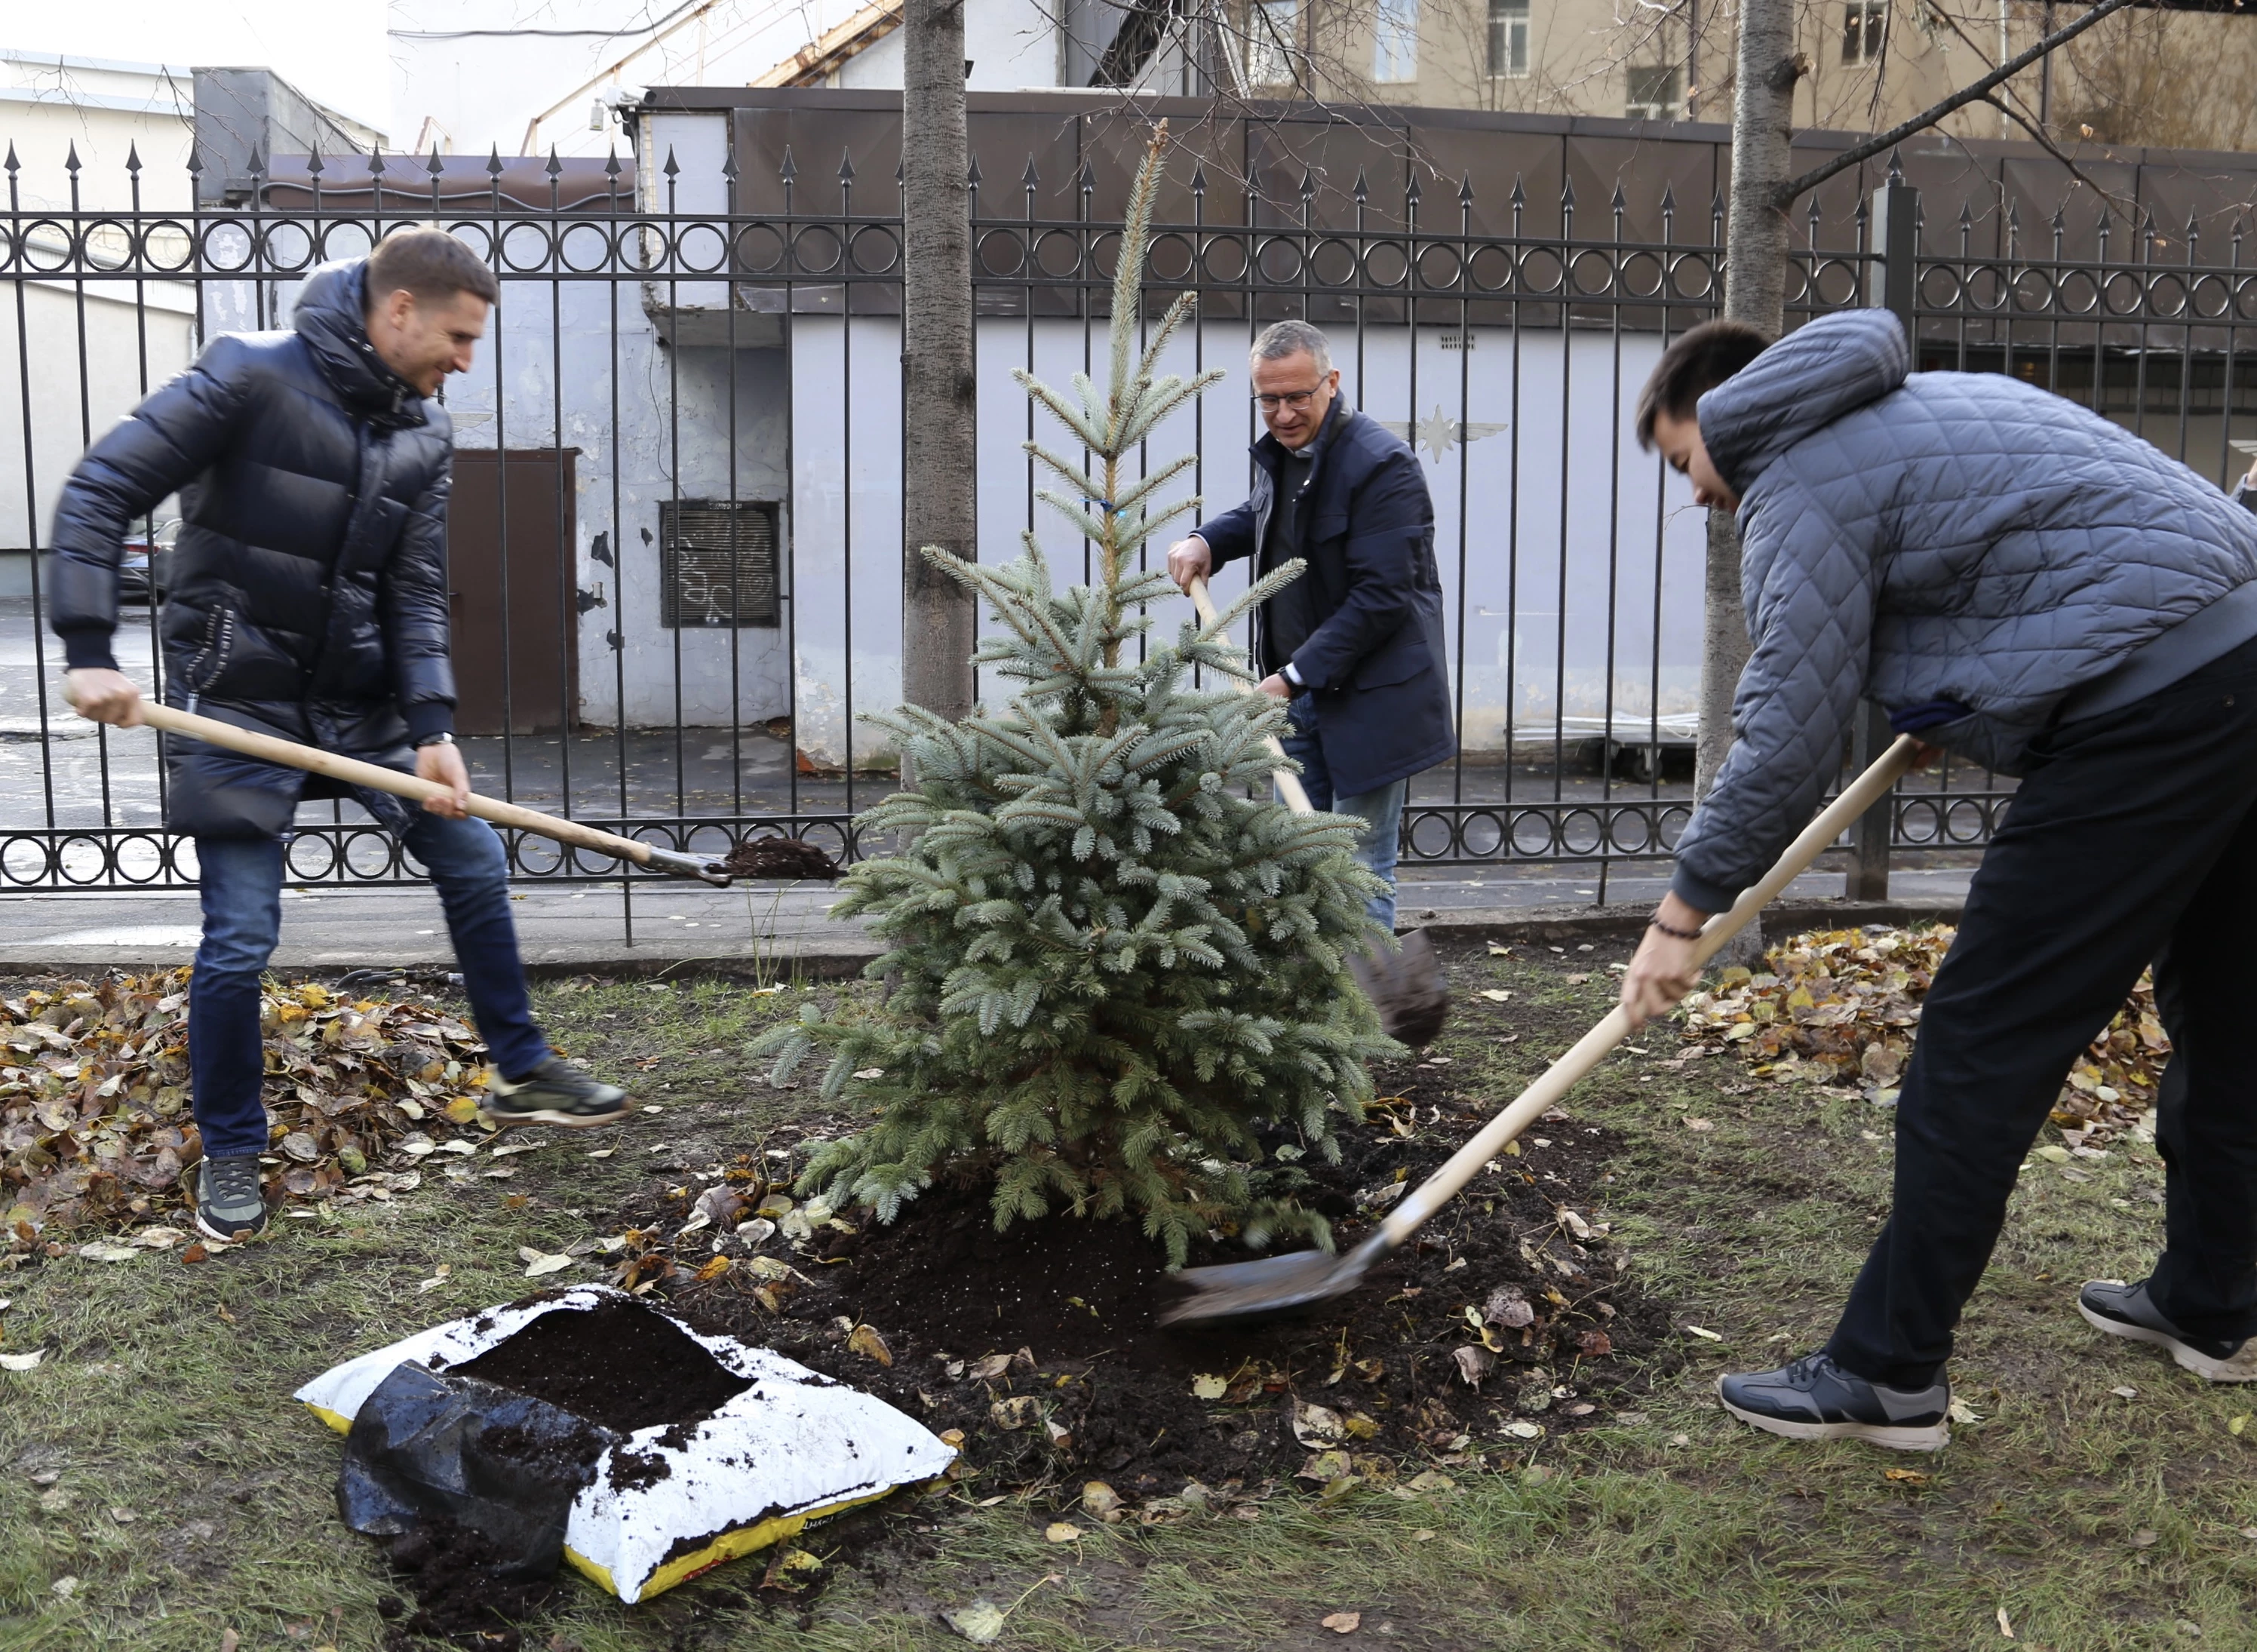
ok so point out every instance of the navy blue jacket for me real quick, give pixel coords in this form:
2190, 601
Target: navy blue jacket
309, 590
1377, 661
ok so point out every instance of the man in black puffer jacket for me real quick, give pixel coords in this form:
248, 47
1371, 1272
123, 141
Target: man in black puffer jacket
308, 600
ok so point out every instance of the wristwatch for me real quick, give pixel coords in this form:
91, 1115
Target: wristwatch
440, 739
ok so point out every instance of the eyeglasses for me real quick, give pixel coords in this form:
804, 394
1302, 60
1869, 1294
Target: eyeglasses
1295, 399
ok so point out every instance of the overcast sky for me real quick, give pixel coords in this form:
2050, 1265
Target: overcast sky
332, 50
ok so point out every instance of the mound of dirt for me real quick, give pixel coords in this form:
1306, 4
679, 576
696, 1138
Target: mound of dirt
459, 1601
619, 1365
1040, 1343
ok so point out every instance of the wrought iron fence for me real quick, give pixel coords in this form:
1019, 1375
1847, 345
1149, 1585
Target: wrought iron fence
675, 539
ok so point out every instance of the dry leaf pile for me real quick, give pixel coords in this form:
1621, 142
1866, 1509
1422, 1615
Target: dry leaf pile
1841, 1006
95, 1122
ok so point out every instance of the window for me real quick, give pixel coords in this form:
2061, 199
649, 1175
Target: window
1657, 93
1865, 31
717, 563
1508, 38
1269, 36
1395, 44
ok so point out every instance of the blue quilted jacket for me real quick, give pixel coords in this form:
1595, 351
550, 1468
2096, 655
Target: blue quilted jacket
1932, 538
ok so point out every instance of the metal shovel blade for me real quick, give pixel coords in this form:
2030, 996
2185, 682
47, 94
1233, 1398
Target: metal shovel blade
1406, 987
1247, 1293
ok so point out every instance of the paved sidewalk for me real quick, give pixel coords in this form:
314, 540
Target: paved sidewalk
679, 926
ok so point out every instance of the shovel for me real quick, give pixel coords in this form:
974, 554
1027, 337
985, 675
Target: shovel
290, 754
1405, 986
1243, 1292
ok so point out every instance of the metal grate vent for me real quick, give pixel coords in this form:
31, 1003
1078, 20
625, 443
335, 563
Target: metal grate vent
718, 563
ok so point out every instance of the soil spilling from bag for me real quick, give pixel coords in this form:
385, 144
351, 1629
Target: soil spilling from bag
1507, 1321
459, 1599
619, 1366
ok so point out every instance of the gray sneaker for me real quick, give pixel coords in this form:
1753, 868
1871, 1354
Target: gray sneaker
554, 1093
1815, 1399
228, 1203
2127, 1310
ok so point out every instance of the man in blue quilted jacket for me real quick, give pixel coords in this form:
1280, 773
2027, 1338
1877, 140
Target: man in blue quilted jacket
2021, 581
308, 600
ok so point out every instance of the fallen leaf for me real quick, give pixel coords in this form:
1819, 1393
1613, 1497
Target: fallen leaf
865, 1340
1495, 996
2145, 1539
1962, 1412
2235, 1425
65, 1587
2124, 1393
1315, 1425
1507, 1307
1018, 1412
1908, 1476
992, 1366
2006, 1624
1594, 1345
979, 1623
22, 1361
104, 1251
870, 1072
1700, 1123
1209, 1387
1062, 1531
196, 1252
1473, 1364
537, 1264
1424, 1534
1704, 1334
1577, 981
1524, 1430
1344, 1622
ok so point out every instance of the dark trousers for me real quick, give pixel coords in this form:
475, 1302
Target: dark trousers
2133, 839
242, 884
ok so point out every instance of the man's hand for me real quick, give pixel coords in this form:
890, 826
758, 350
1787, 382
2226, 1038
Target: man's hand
1661, 972
1189, 560
2251, 479
104, 696
443, 763
1277, 686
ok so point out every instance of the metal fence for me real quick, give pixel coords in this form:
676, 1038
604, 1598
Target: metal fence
676, 541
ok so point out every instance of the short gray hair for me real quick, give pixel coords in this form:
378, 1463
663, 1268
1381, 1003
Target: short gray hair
1281, 339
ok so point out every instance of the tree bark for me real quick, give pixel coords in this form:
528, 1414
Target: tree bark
939, 617
1755, 291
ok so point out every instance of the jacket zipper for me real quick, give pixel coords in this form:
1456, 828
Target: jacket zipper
219, 638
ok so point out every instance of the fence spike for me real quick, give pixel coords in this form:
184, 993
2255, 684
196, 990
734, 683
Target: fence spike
1896, 167
1520, 196
134, 158
1030, 178
845, 165
1567, 193
1087, 182
971, 173
555, 168
1362, 190
375, 161
1668, 197
314, 167
13, 163
258, 162
1412, 192
1966, 217
2060, 221
673, 168
493, 161
2013, 217
70, 161
2194, 227
728, 162
1716, 204
1620, 204
901, 172
612, 165
1465, 189
435, 165
1198, 175
1308, 183
790, 171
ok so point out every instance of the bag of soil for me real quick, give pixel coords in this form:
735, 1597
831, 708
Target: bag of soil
505, 1465
705, 1448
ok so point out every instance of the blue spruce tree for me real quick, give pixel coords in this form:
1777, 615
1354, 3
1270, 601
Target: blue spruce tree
1112, 954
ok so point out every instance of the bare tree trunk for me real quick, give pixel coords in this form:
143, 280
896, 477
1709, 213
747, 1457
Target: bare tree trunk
1755, 291
939, 618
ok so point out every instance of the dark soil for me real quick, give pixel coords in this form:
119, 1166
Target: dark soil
619, 1366
1095, 1389
459, 1599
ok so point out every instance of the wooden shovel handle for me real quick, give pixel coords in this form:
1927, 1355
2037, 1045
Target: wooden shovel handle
1289, 783
1557, 1079
290, 754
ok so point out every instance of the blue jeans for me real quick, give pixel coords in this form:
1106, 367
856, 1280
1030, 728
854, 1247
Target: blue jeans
242, 881
1381, 808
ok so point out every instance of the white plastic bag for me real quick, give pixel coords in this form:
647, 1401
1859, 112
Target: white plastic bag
793, 1448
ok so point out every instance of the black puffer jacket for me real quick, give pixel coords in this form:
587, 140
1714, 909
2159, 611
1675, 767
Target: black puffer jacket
309, 592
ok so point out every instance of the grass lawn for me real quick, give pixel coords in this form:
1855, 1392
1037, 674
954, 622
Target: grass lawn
2103, 1500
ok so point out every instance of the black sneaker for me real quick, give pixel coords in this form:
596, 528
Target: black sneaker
554, 1093
1815, 1399
2125, 1310
229, 1203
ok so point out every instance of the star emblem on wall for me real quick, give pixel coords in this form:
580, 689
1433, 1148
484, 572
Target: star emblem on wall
1438, 431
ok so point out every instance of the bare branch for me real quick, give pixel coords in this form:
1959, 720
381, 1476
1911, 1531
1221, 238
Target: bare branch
1975, 91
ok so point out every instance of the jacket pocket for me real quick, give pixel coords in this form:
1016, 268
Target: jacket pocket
211, 656
1399, 659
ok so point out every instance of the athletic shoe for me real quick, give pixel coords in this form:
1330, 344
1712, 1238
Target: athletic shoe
1815, 1399
229, 1203
2125, 1310
554, 1093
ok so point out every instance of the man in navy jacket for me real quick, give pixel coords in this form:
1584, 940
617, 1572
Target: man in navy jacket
309, 600
1355, 644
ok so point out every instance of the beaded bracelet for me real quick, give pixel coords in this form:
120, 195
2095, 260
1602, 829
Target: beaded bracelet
1675, 933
